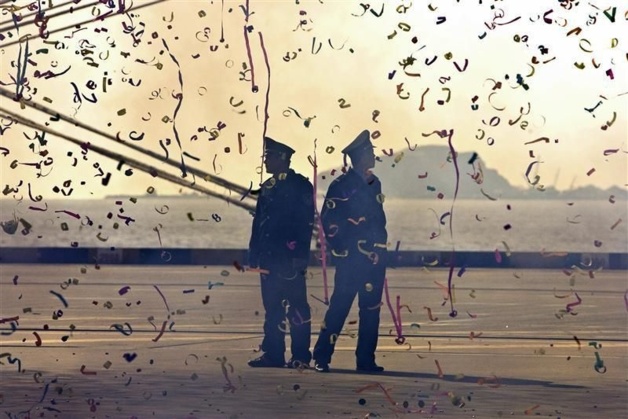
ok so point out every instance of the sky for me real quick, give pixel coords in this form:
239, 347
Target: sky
183, 68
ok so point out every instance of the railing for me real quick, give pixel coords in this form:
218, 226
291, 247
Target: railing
586, 262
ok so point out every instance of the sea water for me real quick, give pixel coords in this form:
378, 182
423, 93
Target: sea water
428, 225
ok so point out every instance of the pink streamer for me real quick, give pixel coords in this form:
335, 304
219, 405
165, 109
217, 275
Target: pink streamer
454, 158
570, 306
396, 320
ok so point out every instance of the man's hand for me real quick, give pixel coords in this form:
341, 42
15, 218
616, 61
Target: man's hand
253, 260
300, 265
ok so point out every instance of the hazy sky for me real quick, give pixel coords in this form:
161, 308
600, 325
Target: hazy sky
335, 54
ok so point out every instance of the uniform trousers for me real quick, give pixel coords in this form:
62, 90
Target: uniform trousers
354, 276
286, 295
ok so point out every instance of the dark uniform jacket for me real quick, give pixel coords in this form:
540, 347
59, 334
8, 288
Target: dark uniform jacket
353, 215
283, 222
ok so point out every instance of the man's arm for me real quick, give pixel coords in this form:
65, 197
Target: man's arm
304, 224
254, 245
299, 221
334, 219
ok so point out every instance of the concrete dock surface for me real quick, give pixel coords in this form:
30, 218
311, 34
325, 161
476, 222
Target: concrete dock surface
111, 341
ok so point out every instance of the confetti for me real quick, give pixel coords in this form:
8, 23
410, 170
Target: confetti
57, 182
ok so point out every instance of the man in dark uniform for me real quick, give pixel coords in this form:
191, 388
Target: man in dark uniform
280, 248
355, 228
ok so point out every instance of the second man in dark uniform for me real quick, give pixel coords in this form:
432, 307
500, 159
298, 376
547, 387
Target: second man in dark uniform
355, 228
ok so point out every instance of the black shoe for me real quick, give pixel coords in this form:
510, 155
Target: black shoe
321, 366
264, 362
369, 368
297, 364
